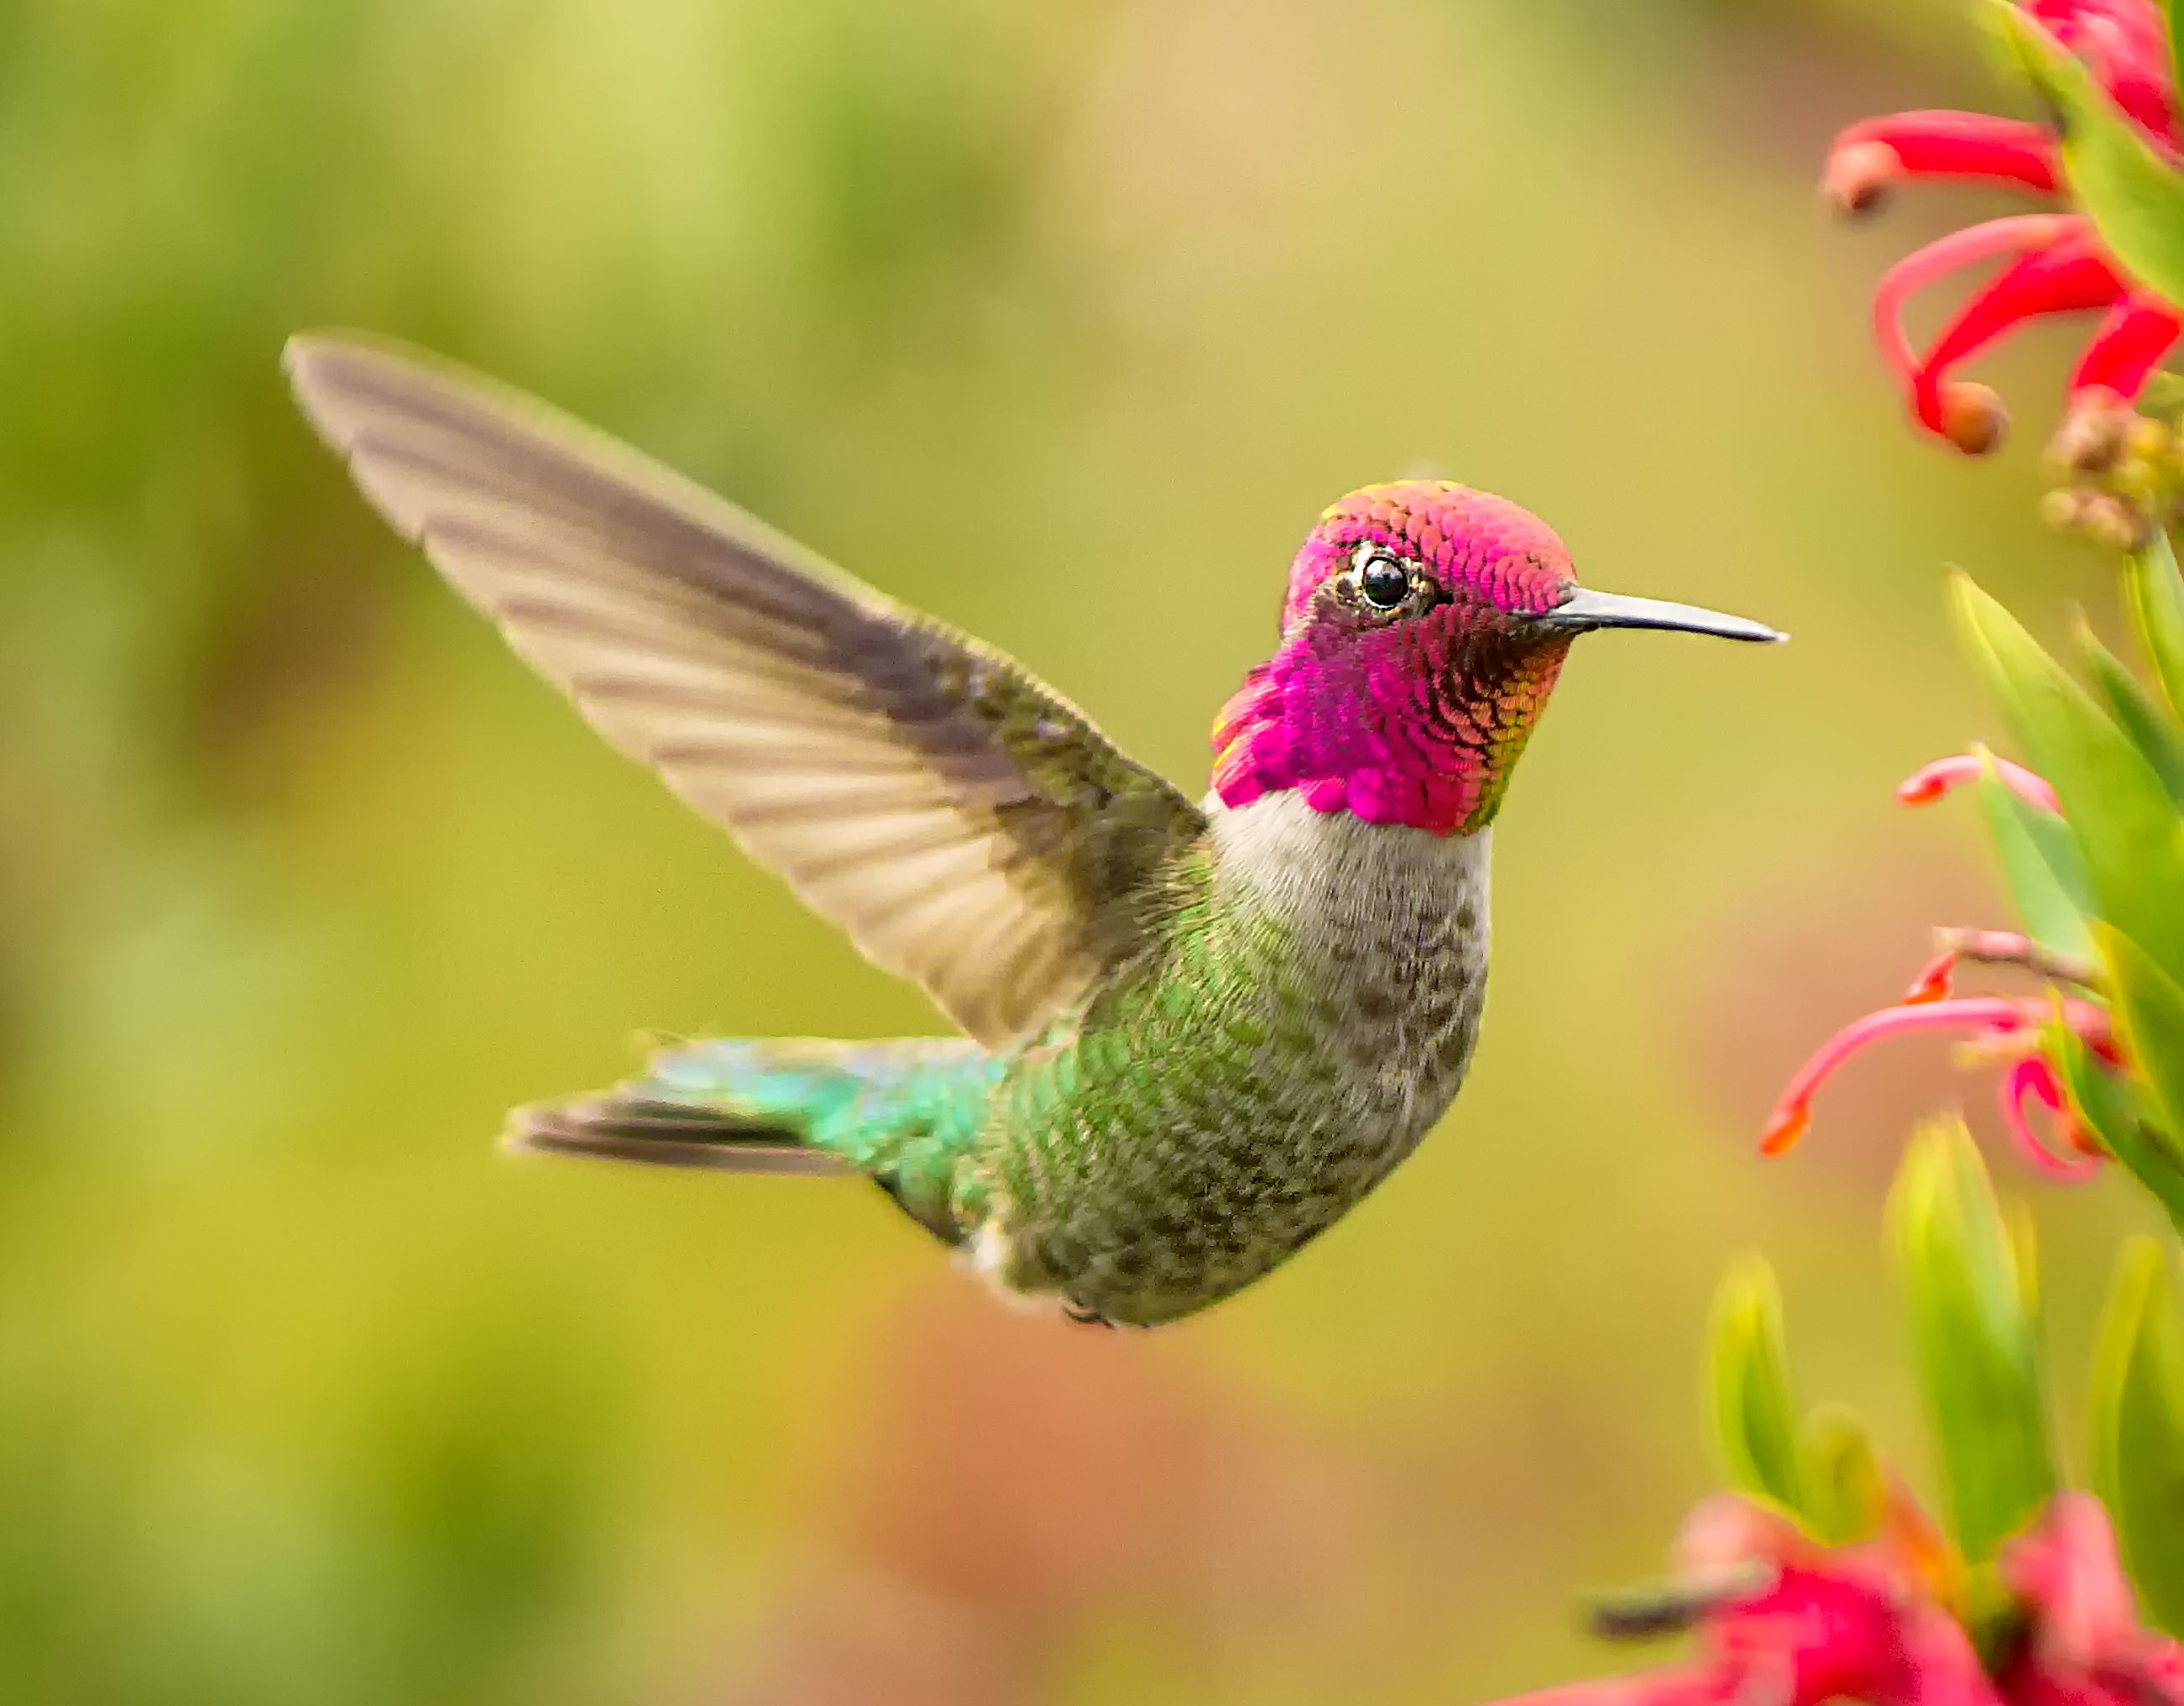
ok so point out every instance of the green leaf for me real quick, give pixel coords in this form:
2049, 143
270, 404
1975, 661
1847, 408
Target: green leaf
2149, 1022
2169, 29
1846, 1493
2118, 813
2176, 52
2040, 866
2137, 1417
1748, 1386
2135, 195
2149, 724
2112, 1110
1974, 1341
2025, 1255
2154, 593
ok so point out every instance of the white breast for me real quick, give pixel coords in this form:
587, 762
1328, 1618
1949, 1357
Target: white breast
1388, 926
1333, 870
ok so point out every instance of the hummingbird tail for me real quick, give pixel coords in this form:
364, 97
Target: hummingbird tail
619, 1126
904, 1112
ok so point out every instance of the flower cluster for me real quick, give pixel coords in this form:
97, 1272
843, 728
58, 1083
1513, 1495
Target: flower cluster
2052, 263
2123, 469
2010, 1030
1820, 1580
1781, 1619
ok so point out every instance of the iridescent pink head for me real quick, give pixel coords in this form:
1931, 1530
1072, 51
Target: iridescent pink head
1424, 626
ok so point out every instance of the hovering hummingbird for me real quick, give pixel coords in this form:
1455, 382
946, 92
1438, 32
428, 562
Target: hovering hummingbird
1196, 1035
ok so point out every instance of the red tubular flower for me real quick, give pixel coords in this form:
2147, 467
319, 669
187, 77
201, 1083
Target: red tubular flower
2010, 1029
2052, 263
2082, 1645
1999, 1026
1943, 774
1781, 1620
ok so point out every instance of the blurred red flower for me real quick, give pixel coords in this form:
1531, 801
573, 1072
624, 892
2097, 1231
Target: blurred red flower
2054, 263
1782, 1619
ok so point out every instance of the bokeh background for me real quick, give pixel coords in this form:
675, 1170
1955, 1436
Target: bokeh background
1062, 320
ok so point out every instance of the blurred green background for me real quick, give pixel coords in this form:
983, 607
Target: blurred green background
1062, 320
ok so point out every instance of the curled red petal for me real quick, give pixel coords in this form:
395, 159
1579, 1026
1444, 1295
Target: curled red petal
2023, 234
2033, 1079
2070, 275
2127, 348
1870, 157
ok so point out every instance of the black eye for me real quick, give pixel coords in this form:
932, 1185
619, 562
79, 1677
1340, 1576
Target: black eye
1384, 581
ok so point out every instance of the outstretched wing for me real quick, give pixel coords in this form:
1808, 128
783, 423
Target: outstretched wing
970, 829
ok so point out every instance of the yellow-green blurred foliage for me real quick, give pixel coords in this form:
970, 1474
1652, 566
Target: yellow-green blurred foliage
1063, 320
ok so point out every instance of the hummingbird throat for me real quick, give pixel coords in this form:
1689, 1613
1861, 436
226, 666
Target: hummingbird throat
1428, 747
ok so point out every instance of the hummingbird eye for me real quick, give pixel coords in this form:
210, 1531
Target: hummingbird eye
1382, 581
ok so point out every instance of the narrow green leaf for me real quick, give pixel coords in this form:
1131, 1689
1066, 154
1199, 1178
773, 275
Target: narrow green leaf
1748, 1386
2138, 1416
2135, 195
2175, 57
2040, 866
2113, 1111
2118, 813
1975, 1344
2145, 720
1846, 1493
2149, 1022
2025, 1255
2154, 592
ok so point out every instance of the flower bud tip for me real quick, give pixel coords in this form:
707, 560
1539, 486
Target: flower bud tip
1857, 177
1973, 418
1933, 982
1788, 1125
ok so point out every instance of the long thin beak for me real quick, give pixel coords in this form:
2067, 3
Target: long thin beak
1584, 610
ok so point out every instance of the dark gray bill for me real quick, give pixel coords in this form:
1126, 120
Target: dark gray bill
1584, 610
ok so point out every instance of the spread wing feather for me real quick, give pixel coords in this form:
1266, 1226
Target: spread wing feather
969, 828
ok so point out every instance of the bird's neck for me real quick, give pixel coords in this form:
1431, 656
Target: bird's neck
1423, 759
1304, 860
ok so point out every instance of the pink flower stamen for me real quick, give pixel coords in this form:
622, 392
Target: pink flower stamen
1946, 774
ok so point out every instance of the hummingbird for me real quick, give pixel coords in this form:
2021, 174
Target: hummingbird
1192, 1034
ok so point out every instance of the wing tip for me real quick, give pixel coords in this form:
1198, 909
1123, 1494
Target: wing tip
316, 346
337, 369
320, 367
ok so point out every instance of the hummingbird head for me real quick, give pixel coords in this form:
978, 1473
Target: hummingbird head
1424, 628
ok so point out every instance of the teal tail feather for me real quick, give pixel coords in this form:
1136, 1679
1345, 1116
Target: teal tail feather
904, 1112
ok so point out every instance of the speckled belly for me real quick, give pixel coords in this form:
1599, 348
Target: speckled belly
1312, 1018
